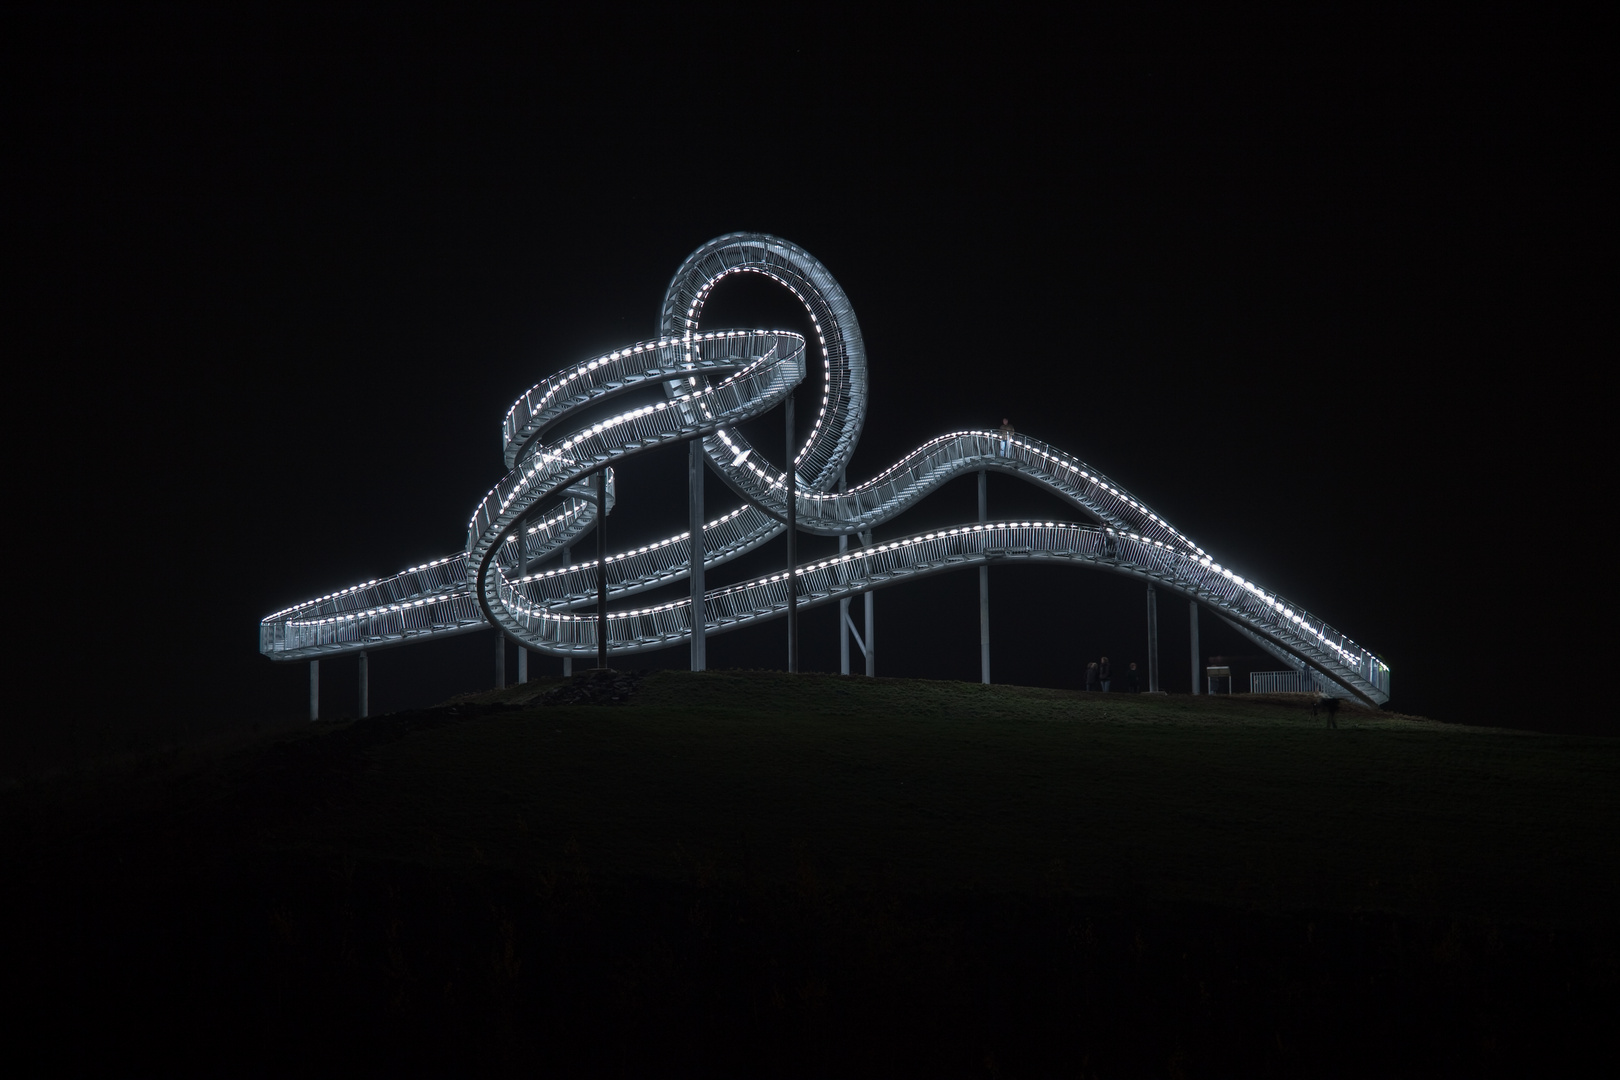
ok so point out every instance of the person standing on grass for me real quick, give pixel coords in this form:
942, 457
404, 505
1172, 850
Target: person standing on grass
1091, 676
1132, 685
1104, 674
1329, 705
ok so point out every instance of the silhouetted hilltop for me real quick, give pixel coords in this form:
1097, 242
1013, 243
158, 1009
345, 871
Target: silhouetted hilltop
753, 873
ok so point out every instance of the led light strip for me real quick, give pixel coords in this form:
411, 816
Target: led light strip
714, 380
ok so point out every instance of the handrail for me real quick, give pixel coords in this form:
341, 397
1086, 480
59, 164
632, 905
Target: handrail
1281, 682
713, 381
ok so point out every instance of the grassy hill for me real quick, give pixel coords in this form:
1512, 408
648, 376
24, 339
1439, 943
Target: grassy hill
752, 873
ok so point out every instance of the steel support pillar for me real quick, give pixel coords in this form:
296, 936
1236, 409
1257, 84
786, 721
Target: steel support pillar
694, 514
568, 560
791, 486
871, 642
314, 690
984, 585
365, 686
1153, 640
500, 660
523, 571
843, 620
601, 568
1192, 608
869, 646
843, 605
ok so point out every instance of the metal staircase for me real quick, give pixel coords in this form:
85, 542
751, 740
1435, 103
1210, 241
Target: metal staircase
509, 573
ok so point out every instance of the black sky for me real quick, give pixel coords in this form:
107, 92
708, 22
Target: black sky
1323, 294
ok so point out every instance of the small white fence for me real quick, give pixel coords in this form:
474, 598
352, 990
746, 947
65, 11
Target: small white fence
1281, 682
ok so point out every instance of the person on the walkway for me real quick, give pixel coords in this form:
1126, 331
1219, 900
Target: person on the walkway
1091, 676
1104, 674
1132, 682
1006, 432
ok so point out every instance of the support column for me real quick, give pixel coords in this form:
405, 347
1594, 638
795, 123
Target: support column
843, 620
523, 571
1192, 608
1153, 640
601, 568
871, 642
694, 515
568, 560
791, 487
984, 585
843, 605
869, 646
314, 690
365, 687
500, 659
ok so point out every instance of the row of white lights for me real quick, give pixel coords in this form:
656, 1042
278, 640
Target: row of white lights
1288, 613
403, 605
554, 572
1271, 601
556, 384
655, 546
696, 307
858, 553
868, 552
776, 480
352, 589
578, 439
1062, 462
438, 562
1353, 652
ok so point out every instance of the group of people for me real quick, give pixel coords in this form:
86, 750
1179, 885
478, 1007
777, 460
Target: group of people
1099, 673
1100, 676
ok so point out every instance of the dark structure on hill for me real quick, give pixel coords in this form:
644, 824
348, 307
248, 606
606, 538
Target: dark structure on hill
517, 572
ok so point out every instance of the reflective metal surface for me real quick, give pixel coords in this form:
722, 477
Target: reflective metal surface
511, 574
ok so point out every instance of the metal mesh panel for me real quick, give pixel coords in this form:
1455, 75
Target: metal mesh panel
714, 380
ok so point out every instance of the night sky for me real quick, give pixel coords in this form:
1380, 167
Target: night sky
1321, 294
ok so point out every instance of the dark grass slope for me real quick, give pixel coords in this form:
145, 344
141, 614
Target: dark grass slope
758, 874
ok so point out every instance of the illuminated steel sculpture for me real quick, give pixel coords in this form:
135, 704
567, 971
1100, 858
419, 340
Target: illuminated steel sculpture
512, 573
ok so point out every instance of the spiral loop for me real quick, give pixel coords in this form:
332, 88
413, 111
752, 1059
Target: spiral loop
714, 380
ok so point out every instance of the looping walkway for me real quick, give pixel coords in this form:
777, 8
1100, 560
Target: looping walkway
510, 573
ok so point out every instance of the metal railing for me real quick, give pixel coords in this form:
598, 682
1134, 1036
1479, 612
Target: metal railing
713, 381
1281, 682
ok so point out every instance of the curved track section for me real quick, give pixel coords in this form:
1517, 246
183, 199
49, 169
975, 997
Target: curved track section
713, 381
